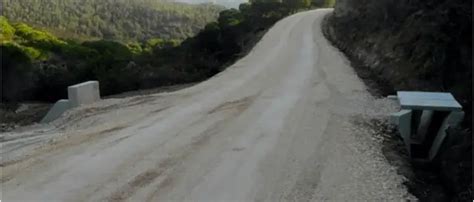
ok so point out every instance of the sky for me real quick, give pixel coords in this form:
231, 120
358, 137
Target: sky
226, 3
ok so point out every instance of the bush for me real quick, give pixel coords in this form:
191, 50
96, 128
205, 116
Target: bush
16, 75
50, 64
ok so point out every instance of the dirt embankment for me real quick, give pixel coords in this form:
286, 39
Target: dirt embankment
17, 115
415, 45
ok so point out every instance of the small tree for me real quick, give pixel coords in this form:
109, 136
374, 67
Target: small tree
330, 3
6, 30
294, 5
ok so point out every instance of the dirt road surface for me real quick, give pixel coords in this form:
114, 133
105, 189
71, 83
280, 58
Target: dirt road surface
279, 125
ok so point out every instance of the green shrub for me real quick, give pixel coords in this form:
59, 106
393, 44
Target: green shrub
6, 30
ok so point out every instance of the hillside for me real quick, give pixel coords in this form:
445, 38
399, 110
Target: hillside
50, 63
226, 3
412, 45
416, 46
126, 20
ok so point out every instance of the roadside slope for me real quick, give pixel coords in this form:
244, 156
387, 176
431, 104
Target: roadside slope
416, 46
280, 124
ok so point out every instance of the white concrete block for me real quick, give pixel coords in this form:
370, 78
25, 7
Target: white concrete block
392, 97
403, 121
83, 93
428, 101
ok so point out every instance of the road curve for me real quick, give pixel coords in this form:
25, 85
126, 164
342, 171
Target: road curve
282, 124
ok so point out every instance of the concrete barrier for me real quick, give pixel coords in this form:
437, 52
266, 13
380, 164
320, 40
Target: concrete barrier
56, 111
80, 94
83, 93
402, 120
423, 121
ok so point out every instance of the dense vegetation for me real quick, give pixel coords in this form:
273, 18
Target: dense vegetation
35, 62
126, 20
37, 65
411, 44
417, 45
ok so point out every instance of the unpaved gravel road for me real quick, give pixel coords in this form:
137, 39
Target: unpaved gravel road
279, 125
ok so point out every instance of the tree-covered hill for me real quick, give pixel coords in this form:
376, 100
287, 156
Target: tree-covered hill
226, 3
38, 66
125, 20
